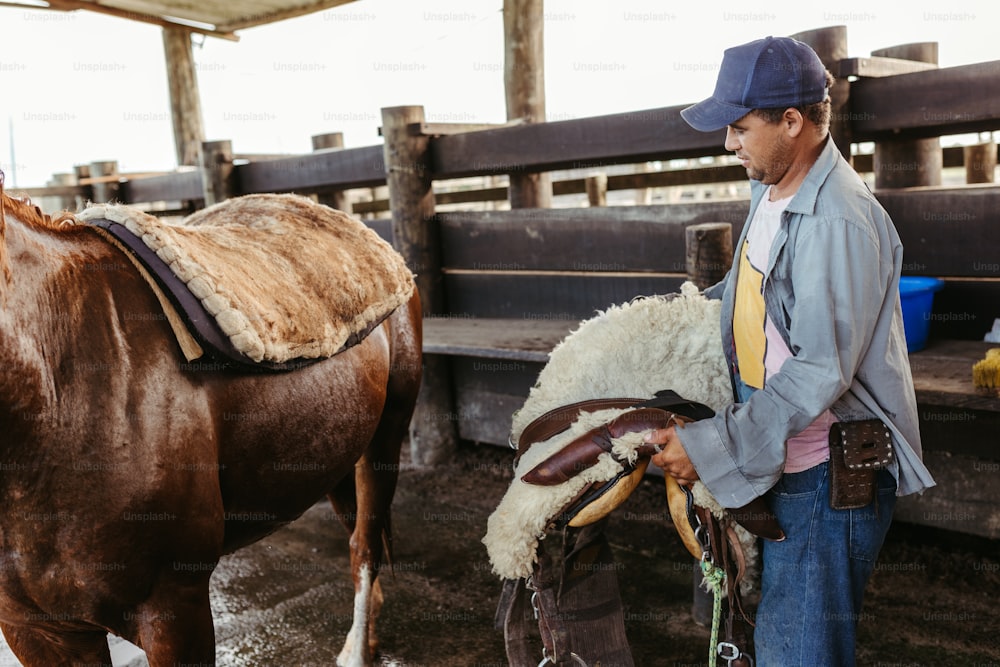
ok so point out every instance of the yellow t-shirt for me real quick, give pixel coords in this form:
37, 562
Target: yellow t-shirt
760, 349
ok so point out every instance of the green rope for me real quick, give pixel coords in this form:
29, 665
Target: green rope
715, 577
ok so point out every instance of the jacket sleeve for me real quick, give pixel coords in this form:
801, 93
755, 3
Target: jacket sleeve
715, 291
830, 302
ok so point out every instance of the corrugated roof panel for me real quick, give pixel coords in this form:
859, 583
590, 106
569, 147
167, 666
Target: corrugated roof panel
220, 17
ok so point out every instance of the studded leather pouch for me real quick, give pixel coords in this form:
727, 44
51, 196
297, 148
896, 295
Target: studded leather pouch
857, 450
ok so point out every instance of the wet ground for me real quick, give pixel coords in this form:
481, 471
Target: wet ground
286, 601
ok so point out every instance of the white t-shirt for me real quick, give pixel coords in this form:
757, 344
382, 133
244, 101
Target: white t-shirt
760, 349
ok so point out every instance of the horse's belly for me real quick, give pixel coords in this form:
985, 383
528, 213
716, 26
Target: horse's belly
278, 459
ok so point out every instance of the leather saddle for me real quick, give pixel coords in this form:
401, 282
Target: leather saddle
664, 409
708, 538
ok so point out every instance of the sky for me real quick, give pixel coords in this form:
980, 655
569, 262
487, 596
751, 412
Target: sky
80, 87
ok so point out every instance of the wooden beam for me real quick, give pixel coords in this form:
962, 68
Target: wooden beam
218, 173
980, 162
877, 67
907, 162
70, 5
596, 141
104, 181
333, 198
345, 168
966, 498
440, 129
947, 231
511, 339
830, 44
548, 295
708, 252
416, 236
611, 239
185, 101
950, 100
177, 186
260, 19
65, 191
524, 86
942, 377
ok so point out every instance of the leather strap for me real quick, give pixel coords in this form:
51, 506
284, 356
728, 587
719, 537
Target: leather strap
559, 419
584, 451
736, 646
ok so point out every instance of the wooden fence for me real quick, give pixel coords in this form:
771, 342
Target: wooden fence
501, 287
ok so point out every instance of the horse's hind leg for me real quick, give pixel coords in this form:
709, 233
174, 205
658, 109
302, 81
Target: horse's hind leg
363, 504
42, 649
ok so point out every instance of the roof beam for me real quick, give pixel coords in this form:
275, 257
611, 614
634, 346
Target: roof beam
163, 22
281, 15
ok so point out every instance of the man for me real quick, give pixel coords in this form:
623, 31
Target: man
812, 330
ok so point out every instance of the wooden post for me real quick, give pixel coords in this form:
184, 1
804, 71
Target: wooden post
104, 191
185, 103
904, 163
82, 171
217, 173
415, 233
643, 196
980, 162
708, 252
597, 189
524, 84
63, 203
338, 198
830, 44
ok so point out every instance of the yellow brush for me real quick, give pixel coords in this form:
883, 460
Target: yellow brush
986, 373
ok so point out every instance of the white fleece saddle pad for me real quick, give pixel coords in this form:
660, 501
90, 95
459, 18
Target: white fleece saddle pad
632, 349
285, 278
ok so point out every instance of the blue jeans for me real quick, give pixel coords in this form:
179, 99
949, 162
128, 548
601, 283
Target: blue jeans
813, 582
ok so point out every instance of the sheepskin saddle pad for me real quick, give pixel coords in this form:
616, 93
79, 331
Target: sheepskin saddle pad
266, 280
631, 350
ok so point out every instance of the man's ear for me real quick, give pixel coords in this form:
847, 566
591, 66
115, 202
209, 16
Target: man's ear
793, 122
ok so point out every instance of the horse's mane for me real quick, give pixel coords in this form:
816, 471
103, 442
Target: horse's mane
29, 214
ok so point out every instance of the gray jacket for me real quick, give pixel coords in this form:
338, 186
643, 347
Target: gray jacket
831, 287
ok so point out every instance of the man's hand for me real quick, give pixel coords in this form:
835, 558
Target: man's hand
673, 458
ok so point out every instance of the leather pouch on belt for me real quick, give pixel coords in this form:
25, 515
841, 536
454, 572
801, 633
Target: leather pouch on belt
857, 450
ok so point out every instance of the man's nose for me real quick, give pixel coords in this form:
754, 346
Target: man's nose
731, 143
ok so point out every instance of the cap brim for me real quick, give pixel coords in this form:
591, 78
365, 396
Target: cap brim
711, 115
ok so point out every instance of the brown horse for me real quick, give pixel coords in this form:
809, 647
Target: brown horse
126, 473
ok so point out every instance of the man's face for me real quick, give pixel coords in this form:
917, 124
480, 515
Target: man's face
763, 147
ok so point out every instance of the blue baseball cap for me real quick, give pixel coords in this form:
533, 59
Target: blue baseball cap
769, 73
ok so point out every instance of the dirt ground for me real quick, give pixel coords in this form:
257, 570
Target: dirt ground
286, 601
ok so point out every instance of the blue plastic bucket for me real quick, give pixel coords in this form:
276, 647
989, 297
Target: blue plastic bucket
916, 294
